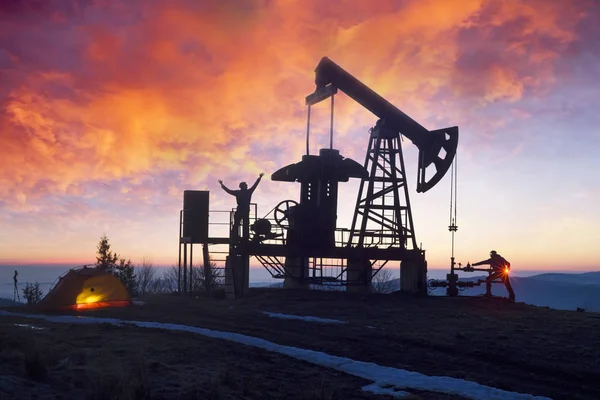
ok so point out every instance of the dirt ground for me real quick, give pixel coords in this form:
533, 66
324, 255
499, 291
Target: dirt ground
513, 347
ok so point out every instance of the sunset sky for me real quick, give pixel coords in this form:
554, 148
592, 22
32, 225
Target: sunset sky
110, 109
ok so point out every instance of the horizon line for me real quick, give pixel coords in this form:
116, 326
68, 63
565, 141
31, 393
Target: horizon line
74, 264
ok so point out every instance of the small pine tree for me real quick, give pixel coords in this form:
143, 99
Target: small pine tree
126, 274
105, 258
32, 293
112, 263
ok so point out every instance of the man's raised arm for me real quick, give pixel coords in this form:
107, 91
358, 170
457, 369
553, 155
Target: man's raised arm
225, 188
257, 182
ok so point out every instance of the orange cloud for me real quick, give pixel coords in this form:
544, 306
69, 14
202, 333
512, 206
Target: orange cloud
218, 88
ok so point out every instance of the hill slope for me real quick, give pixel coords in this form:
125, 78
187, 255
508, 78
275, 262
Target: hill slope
513, 347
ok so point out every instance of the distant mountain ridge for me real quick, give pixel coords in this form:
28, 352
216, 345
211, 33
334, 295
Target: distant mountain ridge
585, 278
562, 291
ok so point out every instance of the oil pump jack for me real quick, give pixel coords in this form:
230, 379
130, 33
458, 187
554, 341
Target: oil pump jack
382, 226
301, 242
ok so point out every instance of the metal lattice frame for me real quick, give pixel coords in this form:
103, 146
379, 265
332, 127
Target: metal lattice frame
383, 199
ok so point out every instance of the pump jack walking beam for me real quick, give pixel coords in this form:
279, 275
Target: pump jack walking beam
330, 77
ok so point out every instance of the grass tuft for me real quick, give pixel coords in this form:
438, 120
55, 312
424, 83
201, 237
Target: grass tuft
21, 348
228, 378
106, 386
118, 382
248, 383
324, 391
34, 366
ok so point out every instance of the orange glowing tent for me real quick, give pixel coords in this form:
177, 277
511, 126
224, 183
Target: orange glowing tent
86, 288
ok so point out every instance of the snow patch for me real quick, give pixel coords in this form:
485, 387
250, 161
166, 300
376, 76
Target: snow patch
299, 317
37, 328
386, 390
385, 378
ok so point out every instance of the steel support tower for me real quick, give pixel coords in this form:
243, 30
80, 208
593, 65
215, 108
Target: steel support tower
382, 215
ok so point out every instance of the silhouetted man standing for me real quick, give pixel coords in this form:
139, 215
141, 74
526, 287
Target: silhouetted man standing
243, 197
500, 269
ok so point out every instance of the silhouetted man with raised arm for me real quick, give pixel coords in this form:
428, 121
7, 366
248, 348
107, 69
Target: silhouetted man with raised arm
500, 269
243, 197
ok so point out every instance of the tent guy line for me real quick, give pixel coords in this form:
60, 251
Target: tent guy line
382, 377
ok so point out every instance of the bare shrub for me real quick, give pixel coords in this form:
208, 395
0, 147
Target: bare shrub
157, 285
169, 279
168, 282
159, 280
145, 278
209, 279
383, 282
